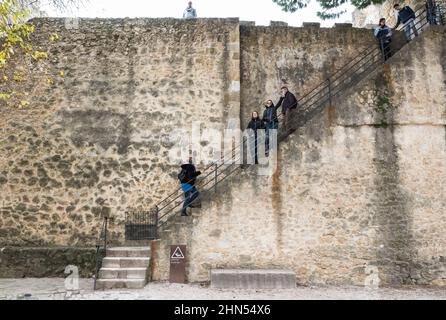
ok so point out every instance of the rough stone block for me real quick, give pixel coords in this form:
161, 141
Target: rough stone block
253, 279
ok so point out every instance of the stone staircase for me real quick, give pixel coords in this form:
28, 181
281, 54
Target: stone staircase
125, 268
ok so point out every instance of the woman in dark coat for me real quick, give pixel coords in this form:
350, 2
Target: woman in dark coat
255, 124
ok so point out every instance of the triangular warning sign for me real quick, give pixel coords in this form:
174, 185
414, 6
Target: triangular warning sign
178, 254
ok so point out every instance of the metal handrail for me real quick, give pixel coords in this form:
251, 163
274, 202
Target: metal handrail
102, 236
335, 83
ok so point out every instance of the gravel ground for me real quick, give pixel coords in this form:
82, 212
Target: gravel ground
54, 289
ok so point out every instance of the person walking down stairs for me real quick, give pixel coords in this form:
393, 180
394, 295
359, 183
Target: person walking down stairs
384, 36
288, 102
188, 177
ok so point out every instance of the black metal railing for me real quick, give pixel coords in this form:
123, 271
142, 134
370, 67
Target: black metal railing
309, 104
141, 225
101, 243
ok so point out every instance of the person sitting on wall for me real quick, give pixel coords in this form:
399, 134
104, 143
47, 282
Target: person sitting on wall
190, 13
406, 16
254, 125
288, 102
188, 177
270, 120
384, 35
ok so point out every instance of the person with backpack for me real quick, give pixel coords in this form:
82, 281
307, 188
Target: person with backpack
384, 36
406, 16
288, 102
188, 177
270, 121
254, 125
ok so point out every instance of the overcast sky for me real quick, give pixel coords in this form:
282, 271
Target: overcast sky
261, 11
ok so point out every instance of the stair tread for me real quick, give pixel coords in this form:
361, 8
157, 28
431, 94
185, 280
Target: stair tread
123, 269
128, 248
121, 280
127, 258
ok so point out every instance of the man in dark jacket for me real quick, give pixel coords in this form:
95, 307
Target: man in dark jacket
271, 121
288, 102
188, 177
406, 16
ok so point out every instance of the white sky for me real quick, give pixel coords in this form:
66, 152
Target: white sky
261, 11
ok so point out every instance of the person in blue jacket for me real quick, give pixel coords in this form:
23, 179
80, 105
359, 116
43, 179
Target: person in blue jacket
384, 36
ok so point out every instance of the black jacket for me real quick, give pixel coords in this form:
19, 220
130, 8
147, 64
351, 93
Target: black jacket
405, 15
256, 124
191, 174
270, 114
287, 102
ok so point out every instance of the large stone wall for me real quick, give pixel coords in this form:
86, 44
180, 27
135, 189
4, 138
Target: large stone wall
359, 191
300, 58
97, 140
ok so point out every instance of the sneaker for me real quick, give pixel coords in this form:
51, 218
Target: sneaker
184, 214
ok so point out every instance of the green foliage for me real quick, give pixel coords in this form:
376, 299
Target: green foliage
330, 8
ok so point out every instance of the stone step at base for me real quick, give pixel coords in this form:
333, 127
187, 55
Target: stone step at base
125, 262
123, 273
128, 252
252, 279
104, 284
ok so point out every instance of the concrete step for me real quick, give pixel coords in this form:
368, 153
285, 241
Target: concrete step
122, 273
252, 279
125, 262
104, 284
128, 252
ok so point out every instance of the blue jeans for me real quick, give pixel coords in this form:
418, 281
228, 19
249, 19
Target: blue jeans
408, 27
190, 194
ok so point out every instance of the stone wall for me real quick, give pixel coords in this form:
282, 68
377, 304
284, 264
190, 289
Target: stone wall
300, 58
370, 15
358, 192
96, 139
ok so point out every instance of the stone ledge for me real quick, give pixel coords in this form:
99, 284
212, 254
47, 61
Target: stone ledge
40, 262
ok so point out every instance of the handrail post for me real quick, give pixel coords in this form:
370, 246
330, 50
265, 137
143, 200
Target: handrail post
105, 236
215, 177
329, 91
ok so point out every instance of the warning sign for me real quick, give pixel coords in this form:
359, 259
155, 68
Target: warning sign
178, 264
177, 254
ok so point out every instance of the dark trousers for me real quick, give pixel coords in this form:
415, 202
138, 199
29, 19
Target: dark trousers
189, 198
272, 125
385, 49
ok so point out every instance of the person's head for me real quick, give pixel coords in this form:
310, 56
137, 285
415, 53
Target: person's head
284, 90
268, 103
255, 115
189, 4
397, 7
382, 22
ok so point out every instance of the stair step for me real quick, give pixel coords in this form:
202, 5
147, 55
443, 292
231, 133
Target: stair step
128, 252
125, 262
252, 279
123, 273
120, 283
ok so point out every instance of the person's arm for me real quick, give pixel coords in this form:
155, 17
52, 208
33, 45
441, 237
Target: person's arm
195, 13
389, 34
397, 22
376, 32
184, 14
279, 104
